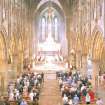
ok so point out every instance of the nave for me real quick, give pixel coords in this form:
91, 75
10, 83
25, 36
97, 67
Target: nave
47, 36
51, 88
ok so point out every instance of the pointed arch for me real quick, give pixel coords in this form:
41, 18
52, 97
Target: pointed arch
2, 48
3, 44
102, 60
78, 46
84, 42
97, 43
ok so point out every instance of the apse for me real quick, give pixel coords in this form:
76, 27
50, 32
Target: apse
50, 22
49, 28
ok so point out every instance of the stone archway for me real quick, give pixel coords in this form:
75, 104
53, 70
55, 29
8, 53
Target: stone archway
97, 45
102, 61
62, 27
20, 56
3, 63
2, 49
12, 48
85, 42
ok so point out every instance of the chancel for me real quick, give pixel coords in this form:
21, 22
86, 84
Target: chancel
50, 30
52, 52
50, 48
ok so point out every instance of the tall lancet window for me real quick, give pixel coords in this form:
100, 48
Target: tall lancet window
56, 28
43, 25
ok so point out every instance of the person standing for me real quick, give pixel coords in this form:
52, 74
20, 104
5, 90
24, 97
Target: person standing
23, 102
65, 100
76, 100
88, 98
42, 75
99, 102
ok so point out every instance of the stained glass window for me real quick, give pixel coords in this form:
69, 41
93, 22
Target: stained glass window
56, 28
43, 27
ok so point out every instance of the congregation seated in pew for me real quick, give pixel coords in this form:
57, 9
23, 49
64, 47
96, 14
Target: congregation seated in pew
75, 89
26, 88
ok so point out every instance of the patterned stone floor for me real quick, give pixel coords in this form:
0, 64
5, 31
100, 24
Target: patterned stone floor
50, 94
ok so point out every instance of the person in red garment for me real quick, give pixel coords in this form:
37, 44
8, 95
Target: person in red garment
92, 96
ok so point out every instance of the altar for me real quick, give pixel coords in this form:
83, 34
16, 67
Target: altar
49, 57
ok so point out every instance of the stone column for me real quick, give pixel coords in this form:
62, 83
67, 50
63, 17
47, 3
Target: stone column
84, 65
4, 78
95, 73
73, 60
20, 62
13, 69
68, 35
78, 60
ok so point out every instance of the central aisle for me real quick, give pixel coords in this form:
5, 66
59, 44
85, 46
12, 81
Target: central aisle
50, 94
